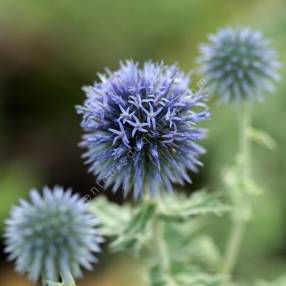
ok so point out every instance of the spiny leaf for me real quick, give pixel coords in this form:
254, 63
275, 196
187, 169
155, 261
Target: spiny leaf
70, 282
113, 218
252, 188
205, 252
200, 279
180, 207
135, 228
278, 282
263, 138
50, 283
184, 277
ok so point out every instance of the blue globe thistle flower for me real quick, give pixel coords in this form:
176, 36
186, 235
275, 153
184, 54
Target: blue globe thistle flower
238, 63
52, 236
141, 127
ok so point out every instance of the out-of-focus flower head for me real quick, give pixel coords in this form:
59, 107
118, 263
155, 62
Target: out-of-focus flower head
238, 64
52, 236
141, 129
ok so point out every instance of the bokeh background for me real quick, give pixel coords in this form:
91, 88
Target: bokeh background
49, 49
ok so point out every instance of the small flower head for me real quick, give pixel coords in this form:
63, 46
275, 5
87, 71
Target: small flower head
140, 127
238, 64
52, 236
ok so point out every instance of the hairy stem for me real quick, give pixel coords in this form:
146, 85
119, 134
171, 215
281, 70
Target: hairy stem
233, 246
70, 282
242, 205
161, 247
160, 244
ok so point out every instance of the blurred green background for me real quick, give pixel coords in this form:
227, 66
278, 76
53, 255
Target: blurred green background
49, 49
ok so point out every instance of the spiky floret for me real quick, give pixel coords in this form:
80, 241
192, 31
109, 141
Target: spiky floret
238, 63
52, 236
140, 127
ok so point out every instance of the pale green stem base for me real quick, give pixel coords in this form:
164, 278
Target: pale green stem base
70, 282
160, 246
242, 206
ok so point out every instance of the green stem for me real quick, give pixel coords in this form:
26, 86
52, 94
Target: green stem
245, 144
242, 205
233, 246
161, 248
70, 282
160, 244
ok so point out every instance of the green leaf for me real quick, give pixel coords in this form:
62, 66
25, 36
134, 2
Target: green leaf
157, 277
70, 283
180, 207
135, 233
263, 138
252, 188
206, 253
113, 218
279, 282
183, 276
188, 244
200, 279
50, 283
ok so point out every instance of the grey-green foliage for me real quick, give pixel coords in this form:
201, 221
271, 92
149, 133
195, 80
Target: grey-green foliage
262, 138
278, 282
234, 182
137, 231
194, 258
281, 281
50, 283
113, 217
178, 207
129, 228
183, 276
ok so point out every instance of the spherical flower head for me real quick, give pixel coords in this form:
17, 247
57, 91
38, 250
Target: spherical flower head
140, 127
52, 236
238, 64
